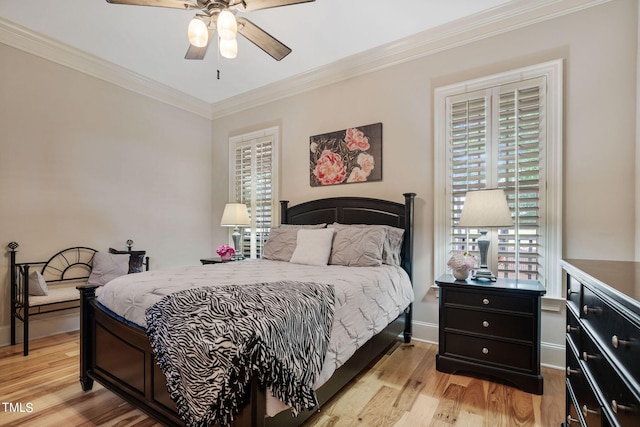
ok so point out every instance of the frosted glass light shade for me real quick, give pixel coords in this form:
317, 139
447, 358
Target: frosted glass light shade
226, 25
198, 33
229, 48
485, 208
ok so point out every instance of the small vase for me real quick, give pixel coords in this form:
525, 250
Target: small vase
461, 274
226, 257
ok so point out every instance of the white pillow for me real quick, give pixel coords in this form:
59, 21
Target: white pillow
107, 267
37, 284
313, 247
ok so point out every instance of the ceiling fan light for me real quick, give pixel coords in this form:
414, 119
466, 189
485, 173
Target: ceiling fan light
226, 25
229, 48
198, 33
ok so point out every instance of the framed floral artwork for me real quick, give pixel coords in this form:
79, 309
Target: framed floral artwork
346, 156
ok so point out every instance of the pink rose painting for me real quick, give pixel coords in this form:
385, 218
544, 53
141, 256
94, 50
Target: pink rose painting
346, 156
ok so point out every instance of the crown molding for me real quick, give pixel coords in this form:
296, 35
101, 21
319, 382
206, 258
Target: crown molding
34, 43
499, 20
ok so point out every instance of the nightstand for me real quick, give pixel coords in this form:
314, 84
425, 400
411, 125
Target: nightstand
491, 329
216, 260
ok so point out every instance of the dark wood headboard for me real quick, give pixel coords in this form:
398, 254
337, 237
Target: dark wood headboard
357, 210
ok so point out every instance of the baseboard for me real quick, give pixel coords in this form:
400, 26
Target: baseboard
43, 326
551, 355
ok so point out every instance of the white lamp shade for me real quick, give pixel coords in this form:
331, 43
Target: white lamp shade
235, 214
485, 208
229, 48
198, 33
226, 25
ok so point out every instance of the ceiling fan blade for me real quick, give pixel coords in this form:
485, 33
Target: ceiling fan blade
250, 5
262, 39
175, 4
198, 52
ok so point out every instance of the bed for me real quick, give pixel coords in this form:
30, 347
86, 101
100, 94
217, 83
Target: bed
117, 353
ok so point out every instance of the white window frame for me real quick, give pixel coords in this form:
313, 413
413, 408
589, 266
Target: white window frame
254, 138
551, 251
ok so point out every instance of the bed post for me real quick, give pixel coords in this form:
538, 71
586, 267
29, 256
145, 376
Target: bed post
408, 259
12, 255
87, 335
284, 205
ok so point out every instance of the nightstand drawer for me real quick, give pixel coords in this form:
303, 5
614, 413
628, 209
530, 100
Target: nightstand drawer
490, 323
484, 350
491, 300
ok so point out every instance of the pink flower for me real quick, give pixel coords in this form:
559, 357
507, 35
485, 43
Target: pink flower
366, 162
330, 169
357, 175
462, 261
356, 140
225, 249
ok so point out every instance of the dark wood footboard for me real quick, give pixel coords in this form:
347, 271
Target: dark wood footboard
119, 357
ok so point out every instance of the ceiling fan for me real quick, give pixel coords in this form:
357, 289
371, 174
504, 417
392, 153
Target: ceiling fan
219, 15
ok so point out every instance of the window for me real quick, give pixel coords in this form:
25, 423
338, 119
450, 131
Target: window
503, 131
253, 181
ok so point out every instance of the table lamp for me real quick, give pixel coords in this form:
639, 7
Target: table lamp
235, 215
485, 208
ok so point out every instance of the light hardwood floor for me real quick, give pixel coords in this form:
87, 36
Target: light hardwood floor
401, 389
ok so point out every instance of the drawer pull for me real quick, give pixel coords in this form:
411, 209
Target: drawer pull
569, 292
485, 350
485, 323
572, 371
485, 301
615, 407
586, 356
586, 411
572, 329
586, 309
617, 342
572, 420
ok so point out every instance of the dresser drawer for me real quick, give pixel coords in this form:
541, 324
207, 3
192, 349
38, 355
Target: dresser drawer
490, 323
623, 405
485, 350
487, 299
577, 381
615, 331
573, 328
574, 289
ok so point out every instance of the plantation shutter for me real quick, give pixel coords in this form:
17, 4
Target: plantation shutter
496, 140
254, 187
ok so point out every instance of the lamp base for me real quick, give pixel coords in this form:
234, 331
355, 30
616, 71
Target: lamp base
484, 274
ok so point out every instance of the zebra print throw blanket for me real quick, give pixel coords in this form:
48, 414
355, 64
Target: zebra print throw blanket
211, 341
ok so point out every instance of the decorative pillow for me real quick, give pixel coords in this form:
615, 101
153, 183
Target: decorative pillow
313, 246
136, 259
282, 241
107, 267
392, 247
358, 247
37, 284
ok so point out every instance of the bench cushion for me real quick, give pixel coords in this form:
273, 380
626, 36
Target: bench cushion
58, 292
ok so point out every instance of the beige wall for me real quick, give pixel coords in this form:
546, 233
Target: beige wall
598, 47
84, 162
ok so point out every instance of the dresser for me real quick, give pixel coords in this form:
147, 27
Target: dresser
603, 343
491, 329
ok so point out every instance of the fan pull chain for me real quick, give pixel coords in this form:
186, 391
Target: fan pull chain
218, 56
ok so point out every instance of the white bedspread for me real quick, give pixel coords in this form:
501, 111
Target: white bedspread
367, 298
